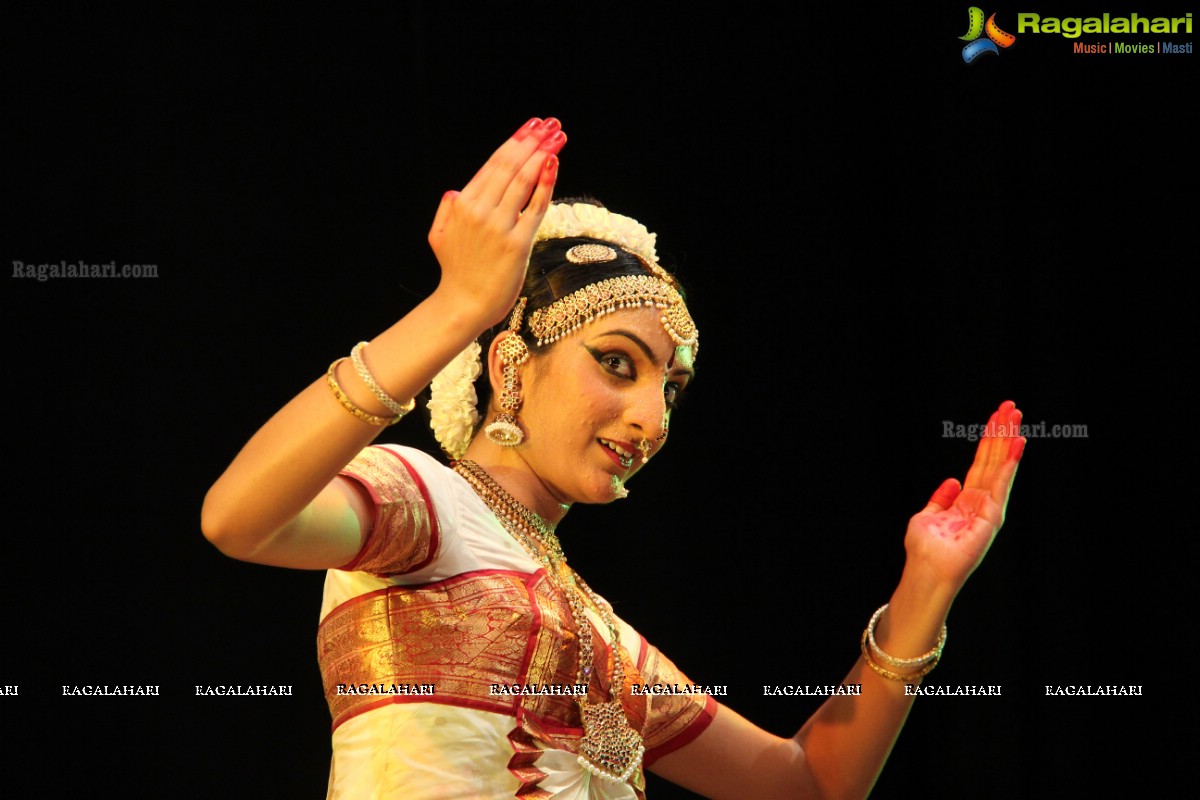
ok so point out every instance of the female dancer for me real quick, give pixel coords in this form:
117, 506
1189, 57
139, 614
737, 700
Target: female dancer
462, 657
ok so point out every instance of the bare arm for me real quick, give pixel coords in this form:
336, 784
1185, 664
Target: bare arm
841, 749
280, 501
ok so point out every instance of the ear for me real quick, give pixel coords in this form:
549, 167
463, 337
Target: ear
495, 368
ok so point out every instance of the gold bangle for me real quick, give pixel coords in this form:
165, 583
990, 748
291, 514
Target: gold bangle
364, 373
894, 676
892, 661
346, 402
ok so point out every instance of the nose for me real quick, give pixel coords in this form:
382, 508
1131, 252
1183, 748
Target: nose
647, 415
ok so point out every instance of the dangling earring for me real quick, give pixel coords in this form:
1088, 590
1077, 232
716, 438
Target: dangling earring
662, 437
505, 431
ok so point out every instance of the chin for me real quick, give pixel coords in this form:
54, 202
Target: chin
612, 489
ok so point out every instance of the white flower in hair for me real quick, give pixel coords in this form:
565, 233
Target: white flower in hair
452, 401
564, 220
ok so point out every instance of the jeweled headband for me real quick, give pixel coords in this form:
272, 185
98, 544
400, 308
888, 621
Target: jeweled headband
568, 314
452, 402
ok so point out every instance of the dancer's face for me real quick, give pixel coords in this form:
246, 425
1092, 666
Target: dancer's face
594, 396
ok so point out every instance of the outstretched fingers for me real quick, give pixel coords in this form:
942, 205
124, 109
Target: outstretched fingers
999, 452
506, 181
528, 180
479, 180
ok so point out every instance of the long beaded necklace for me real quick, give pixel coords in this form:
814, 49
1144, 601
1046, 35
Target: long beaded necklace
610, 747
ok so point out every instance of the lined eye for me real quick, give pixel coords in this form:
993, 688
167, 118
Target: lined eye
671, 393
616, 363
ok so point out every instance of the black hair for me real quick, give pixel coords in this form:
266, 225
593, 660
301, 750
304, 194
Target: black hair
551, 277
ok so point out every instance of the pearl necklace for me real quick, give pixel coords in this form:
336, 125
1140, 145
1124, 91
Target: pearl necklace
610, 747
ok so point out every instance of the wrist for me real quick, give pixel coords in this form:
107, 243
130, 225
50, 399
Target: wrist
924, 586
916, 612
466, 310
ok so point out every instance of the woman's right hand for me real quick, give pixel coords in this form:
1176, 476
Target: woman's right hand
483, 235
281, 500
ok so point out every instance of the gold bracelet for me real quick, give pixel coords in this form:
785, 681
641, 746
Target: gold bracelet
894, 676
370, 419
892, 661
360, 366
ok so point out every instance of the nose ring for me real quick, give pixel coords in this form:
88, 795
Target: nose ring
644, 446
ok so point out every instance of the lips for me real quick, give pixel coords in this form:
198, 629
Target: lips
621, 454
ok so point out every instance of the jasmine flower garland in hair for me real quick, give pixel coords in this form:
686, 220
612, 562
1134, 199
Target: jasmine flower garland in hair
452, 402
565, 220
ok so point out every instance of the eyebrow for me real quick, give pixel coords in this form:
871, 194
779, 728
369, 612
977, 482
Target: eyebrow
645, 348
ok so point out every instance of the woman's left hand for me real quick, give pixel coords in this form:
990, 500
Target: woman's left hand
950, 536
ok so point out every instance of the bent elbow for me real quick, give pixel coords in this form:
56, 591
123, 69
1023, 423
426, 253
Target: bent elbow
222, 532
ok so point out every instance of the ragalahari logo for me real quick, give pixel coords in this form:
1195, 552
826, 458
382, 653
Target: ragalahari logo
996, 38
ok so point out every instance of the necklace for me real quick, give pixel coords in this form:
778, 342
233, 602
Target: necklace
610, 747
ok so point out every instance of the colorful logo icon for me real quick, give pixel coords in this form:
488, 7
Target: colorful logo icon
976, 27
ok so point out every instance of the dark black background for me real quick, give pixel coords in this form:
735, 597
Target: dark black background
877, 237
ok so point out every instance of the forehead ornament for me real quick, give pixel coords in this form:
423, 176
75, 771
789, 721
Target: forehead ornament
658, 290
568, 314
591, 254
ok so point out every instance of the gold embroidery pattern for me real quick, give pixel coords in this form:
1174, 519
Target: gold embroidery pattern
404, 537
669, 714
462, 635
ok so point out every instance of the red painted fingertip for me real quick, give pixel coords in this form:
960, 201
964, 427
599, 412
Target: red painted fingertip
1016, 449
554, 142
945, 494
550, 170
450, 195
527, 128
549, 124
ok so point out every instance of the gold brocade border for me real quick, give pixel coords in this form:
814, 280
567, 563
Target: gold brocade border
404, 535
671, 715
462, 636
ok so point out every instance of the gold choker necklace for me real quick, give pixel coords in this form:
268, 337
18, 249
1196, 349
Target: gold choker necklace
610, 747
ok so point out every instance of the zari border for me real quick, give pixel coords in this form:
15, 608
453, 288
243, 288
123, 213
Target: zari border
386, 485
461, 635
663, 670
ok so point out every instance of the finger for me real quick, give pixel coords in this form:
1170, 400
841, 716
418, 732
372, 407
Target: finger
540, 200
984, 454
1008, 428
520, 190
944, 497
1017, 449
1011, 433
1001, 486
541, 194
522, 133
529, 129
995, 446
1006, 472
493, 178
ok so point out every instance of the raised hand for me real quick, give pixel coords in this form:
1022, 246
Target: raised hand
952, 534
483, 234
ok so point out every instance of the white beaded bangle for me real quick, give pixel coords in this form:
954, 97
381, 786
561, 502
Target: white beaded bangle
360, 366
892, 661
348, 404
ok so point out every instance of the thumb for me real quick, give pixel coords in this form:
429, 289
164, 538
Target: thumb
945, 495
